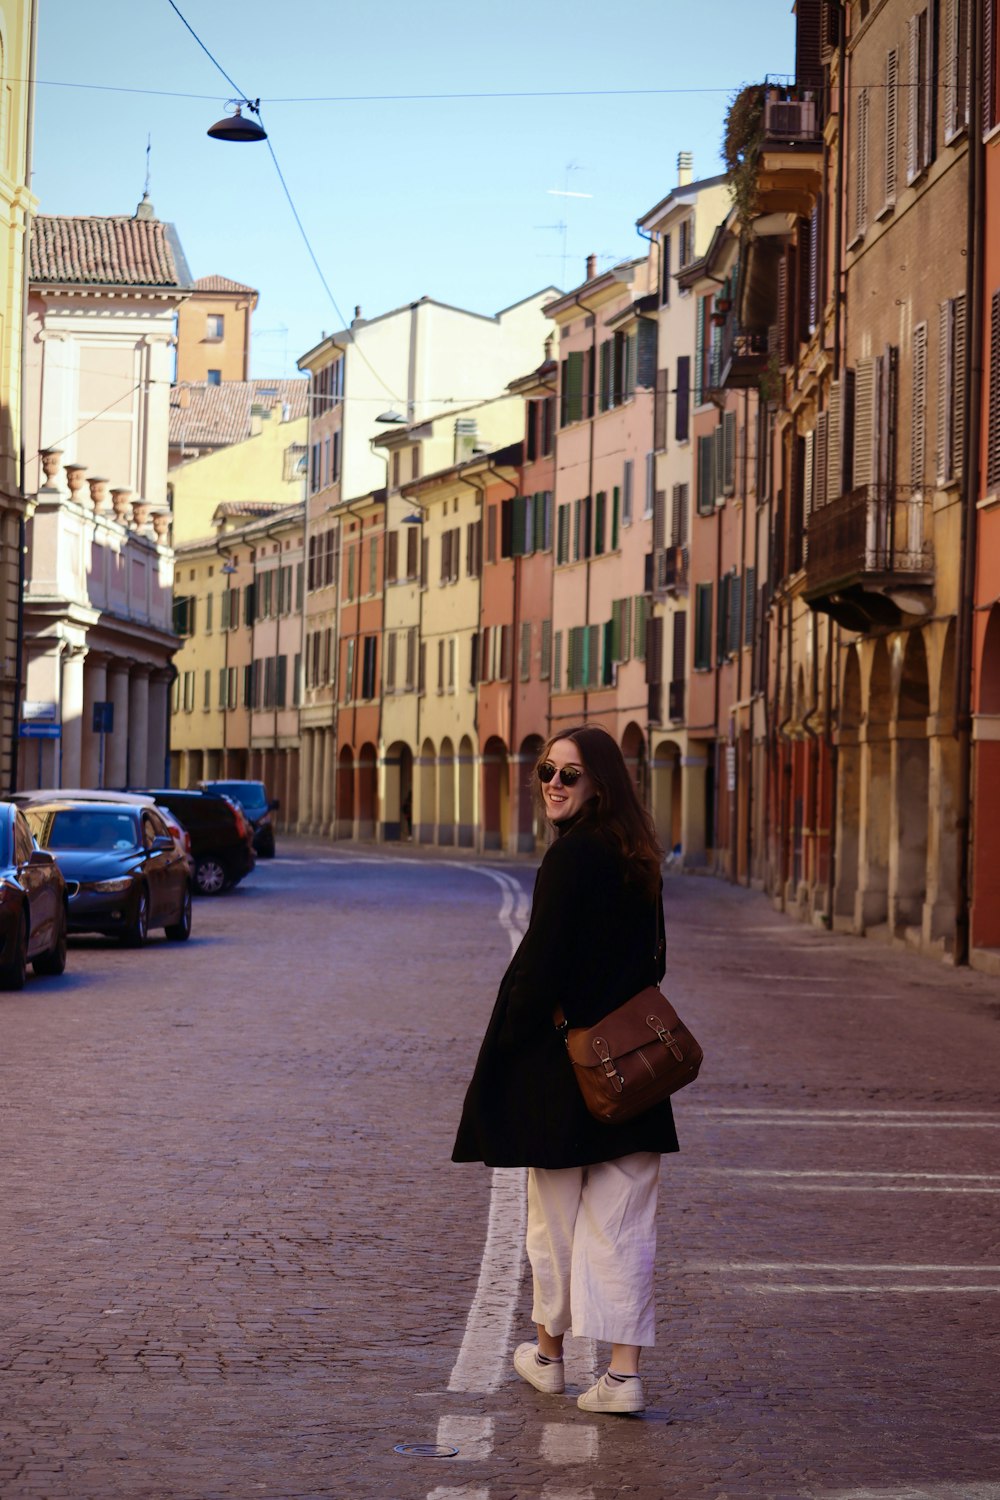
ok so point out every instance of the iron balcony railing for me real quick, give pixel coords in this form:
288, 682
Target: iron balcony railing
873, 530
739, 359
666, 570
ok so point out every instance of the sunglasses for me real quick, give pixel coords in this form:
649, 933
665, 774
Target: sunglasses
568, 775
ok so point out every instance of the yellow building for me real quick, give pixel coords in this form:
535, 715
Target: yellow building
17, 46
245, 440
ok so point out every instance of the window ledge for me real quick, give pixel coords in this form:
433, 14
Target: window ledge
857, 240
886, 211
989, 502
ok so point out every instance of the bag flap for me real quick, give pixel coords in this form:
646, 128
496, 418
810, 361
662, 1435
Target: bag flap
624, 1029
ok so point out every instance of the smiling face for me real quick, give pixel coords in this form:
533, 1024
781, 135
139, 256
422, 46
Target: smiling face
561, 801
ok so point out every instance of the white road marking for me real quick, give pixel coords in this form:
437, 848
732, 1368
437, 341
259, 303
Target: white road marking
804, 1116
472, 1436
566, 1444
897, 1269
551, 1492
965, 1490
482, 1363
459, 1492
911, 1288
837, 1172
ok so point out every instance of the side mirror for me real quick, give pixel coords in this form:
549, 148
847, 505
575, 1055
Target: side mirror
273, 805
41, 857
161, 844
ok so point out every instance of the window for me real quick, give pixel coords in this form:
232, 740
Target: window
412, 551
524, 655
373, 565
335, 468
922, 89
184, 615
206, 701
702, 626
390, 662
991, 27
188, 692
214, 377
863, 104
889, 145
545, 667
685, 237
679, 516
368, 665
918, 410
349, 669
600, 519
562, 534
647, 509
665, 272
660, 410
215, 327
956, 41
626, 494
571, 389
706, 475
621, 630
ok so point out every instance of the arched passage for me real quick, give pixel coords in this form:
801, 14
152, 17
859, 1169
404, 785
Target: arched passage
911, 785
986, 792
367, 791
876, 792
397, 807
427, 799
848, 787
344, 828
530, 818
495, 793
634, 751
666, 787
466, 793
446, 792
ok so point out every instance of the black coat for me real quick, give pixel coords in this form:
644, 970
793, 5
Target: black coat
591, 944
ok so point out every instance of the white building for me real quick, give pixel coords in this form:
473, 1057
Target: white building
103, 301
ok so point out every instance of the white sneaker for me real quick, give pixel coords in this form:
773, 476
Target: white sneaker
615, 1396
550, 1379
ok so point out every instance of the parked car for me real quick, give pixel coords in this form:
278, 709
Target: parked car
221, 837
33, 921
180, 835
124, 873
257, 807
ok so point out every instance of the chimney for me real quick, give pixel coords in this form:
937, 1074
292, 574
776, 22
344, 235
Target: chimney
685, 168
591, 267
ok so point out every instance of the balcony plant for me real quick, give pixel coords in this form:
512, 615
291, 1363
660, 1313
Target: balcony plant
741, 145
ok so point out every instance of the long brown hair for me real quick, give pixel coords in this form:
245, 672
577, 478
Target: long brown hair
616, 805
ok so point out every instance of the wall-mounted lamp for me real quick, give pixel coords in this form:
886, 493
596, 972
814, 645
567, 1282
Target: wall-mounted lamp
392, 418
413, 519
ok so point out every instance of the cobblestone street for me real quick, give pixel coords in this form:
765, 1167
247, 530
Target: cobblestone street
238, 1262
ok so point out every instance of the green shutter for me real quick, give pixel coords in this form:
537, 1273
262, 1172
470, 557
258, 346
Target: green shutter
608, 674
616, 495
599, 520
574, 387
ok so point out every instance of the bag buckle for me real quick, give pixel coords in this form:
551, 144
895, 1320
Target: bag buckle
611, 1072
669, 1041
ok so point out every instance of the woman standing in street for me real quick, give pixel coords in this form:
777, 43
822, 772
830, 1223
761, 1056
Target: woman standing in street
595, 938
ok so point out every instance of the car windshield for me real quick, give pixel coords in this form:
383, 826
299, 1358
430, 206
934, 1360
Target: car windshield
91, 828
5, 858
249, 794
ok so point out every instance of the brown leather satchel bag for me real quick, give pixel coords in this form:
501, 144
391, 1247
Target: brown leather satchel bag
636, 1057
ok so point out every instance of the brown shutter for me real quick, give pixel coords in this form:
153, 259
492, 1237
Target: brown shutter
819, 496
944, 396
958, 387
808, 40
833, 489
993, 431
864, 421
913, 97
891, 100
918, 409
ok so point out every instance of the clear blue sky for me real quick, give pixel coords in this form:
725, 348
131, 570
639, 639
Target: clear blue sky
447, 198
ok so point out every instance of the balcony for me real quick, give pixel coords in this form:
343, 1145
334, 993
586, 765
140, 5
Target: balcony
867, 560
675, 701
666, 571
741, 358
790, 164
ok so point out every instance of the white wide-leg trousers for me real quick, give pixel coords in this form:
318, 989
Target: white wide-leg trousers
592, 1242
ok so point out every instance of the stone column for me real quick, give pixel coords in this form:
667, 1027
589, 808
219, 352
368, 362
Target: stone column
326, 793
72, 715
871, 905
116, 744
95, 690
138, 718
942, 836
694, 766
159, 718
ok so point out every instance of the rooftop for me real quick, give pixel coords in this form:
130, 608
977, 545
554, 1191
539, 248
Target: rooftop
223, 284
213, 416
115, 251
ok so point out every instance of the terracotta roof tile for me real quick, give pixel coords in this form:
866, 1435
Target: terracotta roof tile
90, 251
251, 507
217, 415
222, 284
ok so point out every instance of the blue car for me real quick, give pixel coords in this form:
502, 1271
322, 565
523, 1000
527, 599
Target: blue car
124, 871
33, 921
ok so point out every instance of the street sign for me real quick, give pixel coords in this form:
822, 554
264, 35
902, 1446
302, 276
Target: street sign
38, 712
104, 718
40, 731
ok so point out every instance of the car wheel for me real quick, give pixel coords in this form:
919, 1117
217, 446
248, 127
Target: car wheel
54, 961
180, 931
14, 974
209, 876
137, 931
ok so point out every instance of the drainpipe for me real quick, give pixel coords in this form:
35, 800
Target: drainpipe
754, 647
965, 667
516, 562
226, 552
833, 753
840, 299
22, 464
734, 837
591, 312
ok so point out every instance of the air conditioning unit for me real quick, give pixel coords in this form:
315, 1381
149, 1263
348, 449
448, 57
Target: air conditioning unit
790, 119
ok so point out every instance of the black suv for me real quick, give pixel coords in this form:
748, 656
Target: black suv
221, 837
257, 808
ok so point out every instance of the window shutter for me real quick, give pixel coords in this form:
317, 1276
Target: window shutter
989, 66
659, 520
929, 81
781, 327
640, 616
815, 251
605, 362
749, 604
864, 421
682, 408
706, 498
820, 461
525, 654
913, 98
654, 649
718, 465
729, 453
833, 454
918, 409
545, 664
557, 655
660, 411
861, 163
958, 359
679, 670
735, 608
807, 477
891, 100
616, 512
944, 394
808, 35
699, 339
949, 25
627, 473
993, 431
600, 517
